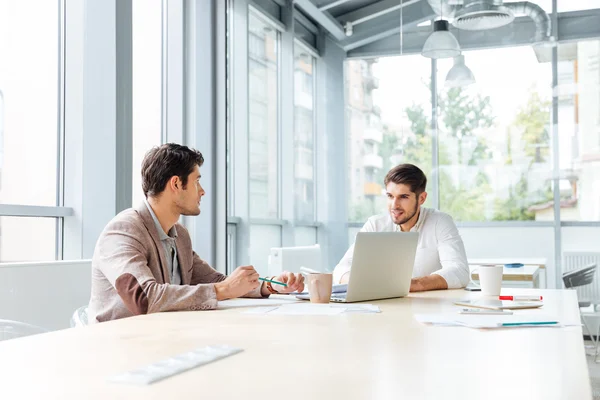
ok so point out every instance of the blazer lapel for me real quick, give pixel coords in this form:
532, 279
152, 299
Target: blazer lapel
149, 223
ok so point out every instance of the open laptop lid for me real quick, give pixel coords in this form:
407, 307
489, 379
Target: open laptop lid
382, 265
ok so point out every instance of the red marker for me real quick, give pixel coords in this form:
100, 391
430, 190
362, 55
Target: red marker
521, 298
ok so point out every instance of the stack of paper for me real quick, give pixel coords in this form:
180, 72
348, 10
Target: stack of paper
315, 309
490, 321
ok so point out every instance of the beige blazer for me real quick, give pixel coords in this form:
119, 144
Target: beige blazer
130, 276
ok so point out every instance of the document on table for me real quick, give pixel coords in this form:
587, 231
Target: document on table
315, 309
491, 321
250, 302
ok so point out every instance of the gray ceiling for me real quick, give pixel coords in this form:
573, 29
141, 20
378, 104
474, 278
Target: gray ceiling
376, 26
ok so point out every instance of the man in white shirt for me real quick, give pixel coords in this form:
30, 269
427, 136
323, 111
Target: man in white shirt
440, 261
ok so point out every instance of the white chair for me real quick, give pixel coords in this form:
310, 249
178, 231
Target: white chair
14, 329
80, 317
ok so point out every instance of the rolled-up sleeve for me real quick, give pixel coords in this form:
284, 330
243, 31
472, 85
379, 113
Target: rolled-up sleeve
455, 269
345, 263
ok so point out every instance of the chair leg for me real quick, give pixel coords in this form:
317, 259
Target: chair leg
597, 342
587, 328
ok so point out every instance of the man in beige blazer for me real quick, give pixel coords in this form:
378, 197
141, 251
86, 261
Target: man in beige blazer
143, 261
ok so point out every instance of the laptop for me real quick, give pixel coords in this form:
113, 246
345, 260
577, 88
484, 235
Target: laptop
382, 267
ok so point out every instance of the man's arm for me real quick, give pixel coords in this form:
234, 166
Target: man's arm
341, 272
121, 258
451, 250
431, 282
203, 273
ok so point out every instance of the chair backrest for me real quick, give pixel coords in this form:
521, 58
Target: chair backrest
80, 317
580, 276
14, 329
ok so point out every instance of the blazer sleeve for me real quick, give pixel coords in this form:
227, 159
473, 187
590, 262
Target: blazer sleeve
121, 258
204, 273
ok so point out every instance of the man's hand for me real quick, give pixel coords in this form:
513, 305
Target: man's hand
431, 282
295, 283
242, 281
345, 278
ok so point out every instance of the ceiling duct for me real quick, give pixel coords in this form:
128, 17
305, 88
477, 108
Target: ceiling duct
477, 15
490, 14
543, 26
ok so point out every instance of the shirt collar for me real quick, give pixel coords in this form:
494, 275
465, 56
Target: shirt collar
161, 233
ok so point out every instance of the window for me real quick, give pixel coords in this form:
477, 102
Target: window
27, 239
388, 126
579, 131
263, 119
304, 133
147, 85
494, 138
29, 94
29, 125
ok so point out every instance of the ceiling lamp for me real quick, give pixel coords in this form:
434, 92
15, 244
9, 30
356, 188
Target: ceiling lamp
459, 75
441, 43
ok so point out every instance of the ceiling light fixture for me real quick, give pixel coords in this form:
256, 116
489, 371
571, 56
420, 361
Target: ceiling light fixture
441, 43
459, 75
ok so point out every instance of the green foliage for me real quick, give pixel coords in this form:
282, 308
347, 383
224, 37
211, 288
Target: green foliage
532, 120
462, 116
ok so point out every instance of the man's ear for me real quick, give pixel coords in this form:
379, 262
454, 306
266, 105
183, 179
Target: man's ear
174, 182
422, 198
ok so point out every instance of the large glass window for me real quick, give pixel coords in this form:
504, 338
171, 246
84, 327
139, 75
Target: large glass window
578, 94
494, 138
388, 112
27, 239
146, 85
263, 118
304, 134
29, 93
29, 125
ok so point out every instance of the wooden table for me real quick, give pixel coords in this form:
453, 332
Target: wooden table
353, 356
528, 275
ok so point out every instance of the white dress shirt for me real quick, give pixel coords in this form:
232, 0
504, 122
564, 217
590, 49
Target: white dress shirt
440, 249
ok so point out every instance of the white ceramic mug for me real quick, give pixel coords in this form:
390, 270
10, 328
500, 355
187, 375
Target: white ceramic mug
490, 279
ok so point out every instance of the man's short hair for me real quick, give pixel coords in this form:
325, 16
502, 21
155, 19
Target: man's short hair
161, 163
407, 174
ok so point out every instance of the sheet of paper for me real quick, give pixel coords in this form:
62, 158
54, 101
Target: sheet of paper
242, 302
486, 321
357, 307
315, 309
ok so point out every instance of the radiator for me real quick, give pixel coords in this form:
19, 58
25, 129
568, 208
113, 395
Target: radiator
578, 259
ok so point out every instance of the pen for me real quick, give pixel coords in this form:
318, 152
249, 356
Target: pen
272, 281
521, 298
529, 323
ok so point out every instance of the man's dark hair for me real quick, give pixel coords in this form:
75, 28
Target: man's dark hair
163, 162
407, 174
